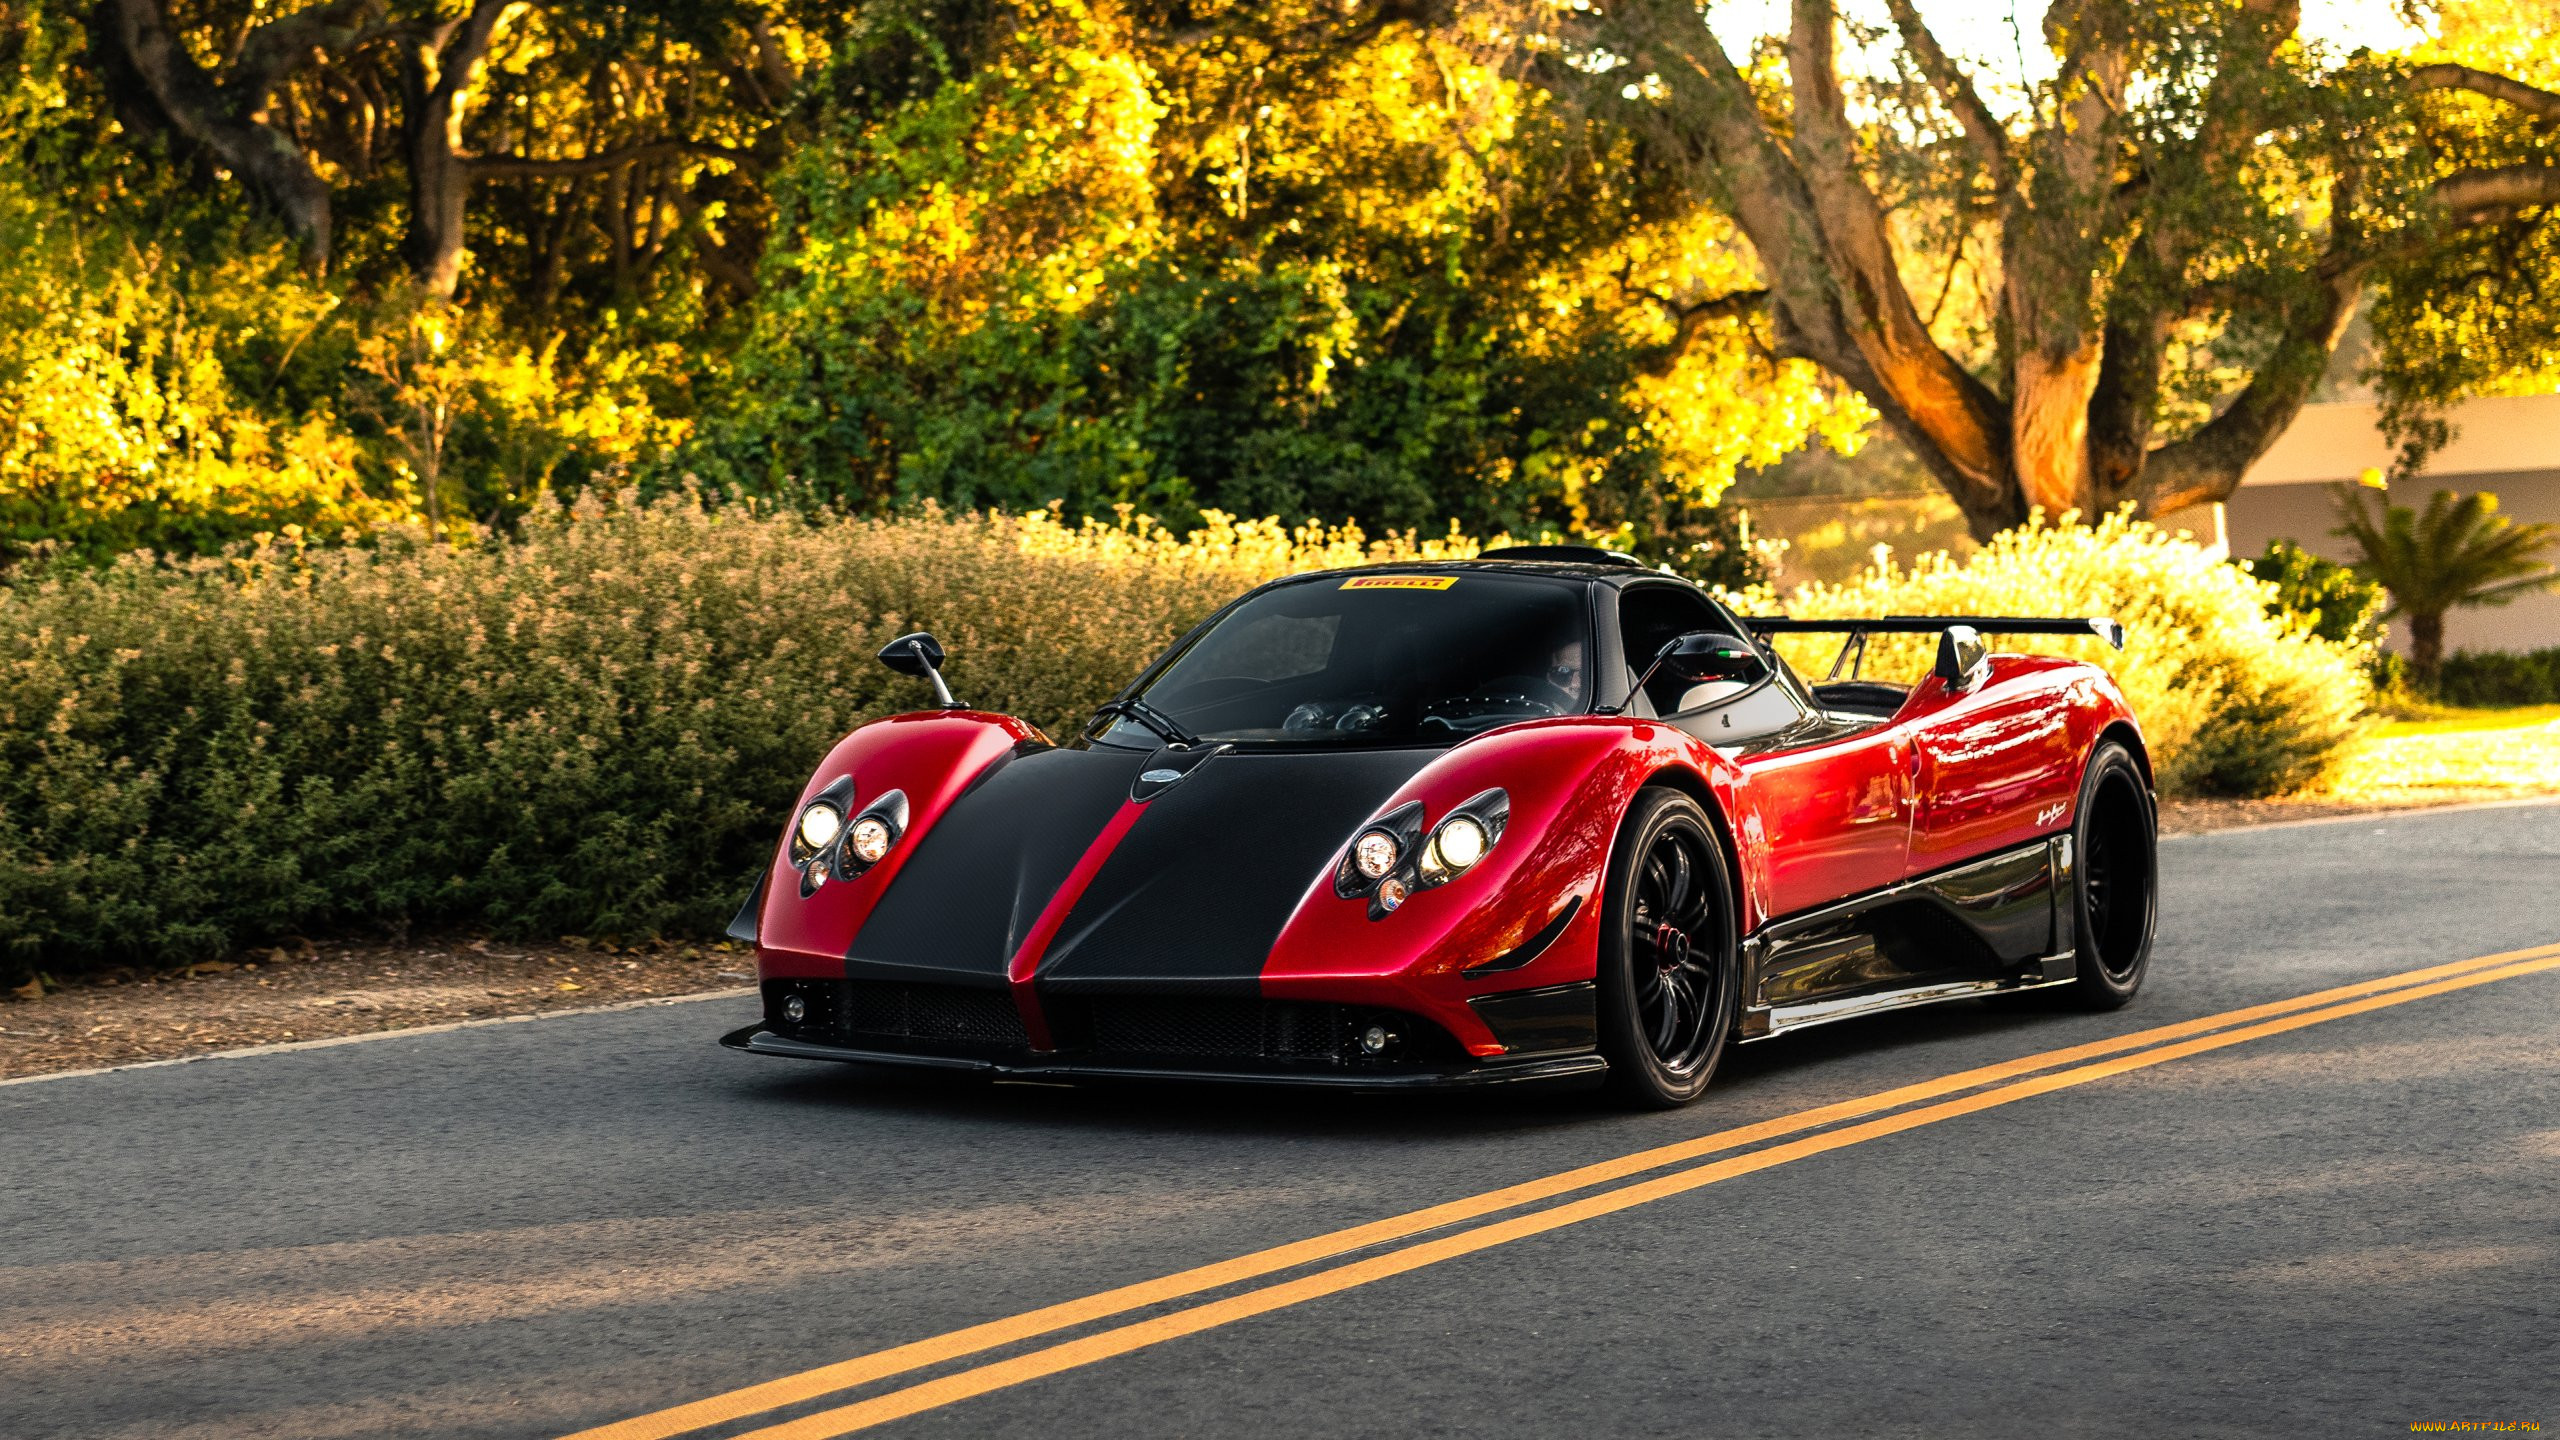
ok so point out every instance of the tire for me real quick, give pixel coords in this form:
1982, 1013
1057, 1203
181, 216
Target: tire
1670, 956
2115, 880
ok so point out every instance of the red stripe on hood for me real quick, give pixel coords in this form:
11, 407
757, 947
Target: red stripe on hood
1026, 960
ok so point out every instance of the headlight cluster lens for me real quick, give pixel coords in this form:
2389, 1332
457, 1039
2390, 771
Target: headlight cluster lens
818, 826
1457, 844
1396, 857
1375, 853
825, 845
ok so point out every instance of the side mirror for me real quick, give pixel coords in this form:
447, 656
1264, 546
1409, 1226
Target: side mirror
1963, 658
920, 655
1702, 656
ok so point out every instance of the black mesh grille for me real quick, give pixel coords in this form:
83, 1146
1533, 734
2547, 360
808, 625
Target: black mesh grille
1219, 1029
932, 1012
893, 1015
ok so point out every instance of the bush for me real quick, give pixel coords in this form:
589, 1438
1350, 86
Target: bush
2331, 600
595, 726
2496, 678
592, 728
2233, 700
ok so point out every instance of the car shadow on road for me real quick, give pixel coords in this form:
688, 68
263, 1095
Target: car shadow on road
1851, 1057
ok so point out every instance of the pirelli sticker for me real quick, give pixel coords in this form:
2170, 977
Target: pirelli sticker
1399, 582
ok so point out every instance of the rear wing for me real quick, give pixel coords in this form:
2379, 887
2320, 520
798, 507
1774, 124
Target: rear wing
1961, 653
2107, 630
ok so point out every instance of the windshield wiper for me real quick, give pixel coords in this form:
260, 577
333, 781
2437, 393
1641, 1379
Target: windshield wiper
1152, 718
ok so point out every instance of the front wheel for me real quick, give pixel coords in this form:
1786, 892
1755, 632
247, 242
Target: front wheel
1670, 965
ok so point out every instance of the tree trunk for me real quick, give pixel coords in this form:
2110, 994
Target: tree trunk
2049, 425
156, 80
439, 187
437, 73
2426, 648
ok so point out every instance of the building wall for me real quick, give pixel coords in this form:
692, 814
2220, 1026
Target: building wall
2305, 514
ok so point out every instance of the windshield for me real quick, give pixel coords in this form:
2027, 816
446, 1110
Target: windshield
1377, 659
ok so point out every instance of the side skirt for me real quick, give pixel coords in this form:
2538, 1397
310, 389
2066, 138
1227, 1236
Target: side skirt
2015, 909
1822, 1012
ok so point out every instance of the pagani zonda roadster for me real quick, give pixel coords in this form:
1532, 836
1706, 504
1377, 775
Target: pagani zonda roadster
1541, 815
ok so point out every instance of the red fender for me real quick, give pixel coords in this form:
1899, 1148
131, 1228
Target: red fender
1570, 781
932, 755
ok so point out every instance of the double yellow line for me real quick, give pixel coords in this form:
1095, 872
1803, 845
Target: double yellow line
1990, 1086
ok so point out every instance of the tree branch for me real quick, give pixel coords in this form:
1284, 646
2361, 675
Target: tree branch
144, 59
458, 57
2207, 465
1691, 320
2542, 103
273, 53
1982, 131
512, 167
2479, 196
1943, 400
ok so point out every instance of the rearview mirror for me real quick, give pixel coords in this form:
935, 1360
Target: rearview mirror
920, 655
1702, 656
1963, 658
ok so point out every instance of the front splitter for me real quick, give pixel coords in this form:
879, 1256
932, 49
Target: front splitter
756, 1040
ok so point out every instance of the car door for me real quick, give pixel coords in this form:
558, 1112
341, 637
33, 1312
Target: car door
1833, 797
1992, 760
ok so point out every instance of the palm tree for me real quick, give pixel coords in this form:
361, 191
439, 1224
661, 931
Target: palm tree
2461, 552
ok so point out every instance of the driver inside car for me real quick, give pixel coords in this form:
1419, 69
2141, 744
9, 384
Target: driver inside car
1564, 668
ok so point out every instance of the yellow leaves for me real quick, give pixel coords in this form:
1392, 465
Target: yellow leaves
1243, 552
2204, 667
2400, 769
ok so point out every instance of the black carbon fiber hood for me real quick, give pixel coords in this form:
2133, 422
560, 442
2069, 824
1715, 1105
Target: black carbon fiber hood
1197, 892
1190, 900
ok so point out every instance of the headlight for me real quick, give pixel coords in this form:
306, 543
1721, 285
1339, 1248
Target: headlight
870, 840
819, 824
1459, 843
1375, 853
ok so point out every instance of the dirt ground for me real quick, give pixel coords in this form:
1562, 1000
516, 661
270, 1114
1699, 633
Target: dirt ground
2194, 817
317, 991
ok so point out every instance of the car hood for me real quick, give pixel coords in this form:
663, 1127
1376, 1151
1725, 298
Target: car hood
1185, 890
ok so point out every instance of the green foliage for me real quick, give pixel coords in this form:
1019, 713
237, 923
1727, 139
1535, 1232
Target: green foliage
2474, 311
2236, 696
2497, 679
591, 729
2457, 553
596, 726
2322, 596
1073, 276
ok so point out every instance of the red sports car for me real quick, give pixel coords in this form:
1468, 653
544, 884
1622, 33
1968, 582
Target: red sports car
1541, 815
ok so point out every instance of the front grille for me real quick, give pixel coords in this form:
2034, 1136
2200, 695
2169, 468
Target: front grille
1244, 1031
1222, 1029
932, 1012
1136, 1029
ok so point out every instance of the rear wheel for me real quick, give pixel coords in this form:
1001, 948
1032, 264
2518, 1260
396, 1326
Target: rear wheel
1670, 972
2116, 877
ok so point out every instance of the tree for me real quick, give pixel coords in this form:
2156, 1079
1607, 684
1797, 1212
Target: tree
2141, 267
1253, 256
2459, 553
314, 102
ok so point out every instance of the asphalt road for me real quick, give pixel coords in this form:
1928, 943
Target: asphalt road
2332, 1230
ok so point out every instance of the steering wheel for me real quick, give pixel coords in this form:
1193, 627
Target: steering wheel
1531, 690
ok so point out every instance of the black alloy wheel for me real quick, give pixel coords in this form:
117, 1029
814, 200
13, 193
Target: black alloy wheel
1670, 977
2117, 873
